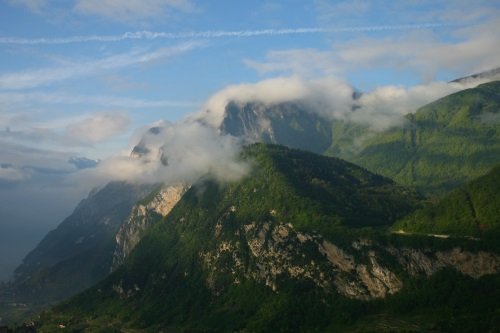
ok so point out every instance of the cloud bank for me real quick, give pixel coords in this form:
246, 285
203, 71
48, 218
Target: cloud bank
332, 98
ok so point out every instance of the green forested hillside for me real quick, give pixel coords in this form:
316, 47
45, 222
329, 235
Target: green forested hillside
471, 210
445, 143
279, 251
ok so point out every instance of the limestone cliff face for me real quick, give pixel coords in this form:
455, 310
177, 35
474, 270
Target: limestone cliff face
475, 265
272, 253
143, 216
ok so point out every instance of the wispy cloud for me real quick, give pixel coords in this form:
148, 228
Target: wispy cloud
131, 9
212, 34
78, 131
45, 76
472, 49
125, 11
33, 5
10, 99
99, 127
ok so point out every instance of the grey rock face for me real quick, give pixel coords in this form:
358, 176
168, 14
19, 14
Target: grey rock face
475, 265
288, 124
271, 253
142, 216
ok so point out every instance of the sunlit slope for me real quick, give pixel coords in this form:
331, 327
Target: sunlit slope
444, 144
471, 210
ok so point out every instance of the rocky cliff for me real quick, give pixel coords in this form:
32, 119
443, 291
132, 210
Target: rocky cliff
289, 124
79, 252
275, 253
143, 215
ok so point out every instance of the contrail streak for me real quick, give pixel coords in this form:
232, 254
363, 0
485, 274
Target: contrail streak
210, 34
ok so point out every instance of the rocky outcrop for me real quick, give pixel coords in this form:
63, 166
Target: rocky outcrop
275, 253
473, 264
272, 253
143, 216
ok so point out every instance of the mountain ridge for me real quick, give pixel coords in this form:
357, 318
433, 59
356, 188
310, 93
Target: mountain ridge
238, 257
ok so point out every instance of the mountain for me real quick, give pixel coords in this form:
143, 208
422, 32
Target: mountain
141, 148
289, 124
291, 247
471, 210
492, 74
445, 144
79, 252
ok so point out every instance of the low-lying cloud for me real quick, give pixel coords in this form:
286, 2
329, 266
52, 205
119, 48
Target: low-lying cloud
175, 152
330, 97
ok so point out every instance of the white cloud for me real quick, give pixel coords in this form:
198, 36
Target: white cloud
468, 49
180, 152
386, 106
131, 9
35, 99
84, 130
473, 50
8, 173
33, 5
320, 94
332, 98
213, 34
304, 62
46, 76
99, 127
356, 11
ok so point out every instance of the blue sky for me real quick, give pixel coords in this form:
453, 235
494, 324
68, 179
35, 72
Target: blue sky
80, 77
